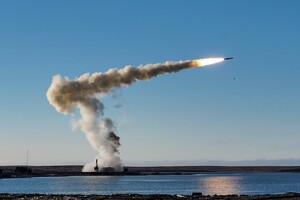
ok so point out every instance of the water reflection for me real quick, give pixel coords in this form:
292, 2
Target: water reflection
221, 185
87, 184
212, 183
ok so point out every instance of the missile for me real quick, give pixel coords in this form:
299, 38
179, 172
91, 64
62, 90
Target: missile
228, 58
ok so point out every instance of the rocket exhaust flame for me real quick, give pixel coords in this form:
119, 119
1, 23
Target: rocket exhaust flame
83, 93
208, 61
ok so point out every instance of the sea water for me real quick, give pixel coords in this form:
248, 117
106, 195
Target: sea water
208, 183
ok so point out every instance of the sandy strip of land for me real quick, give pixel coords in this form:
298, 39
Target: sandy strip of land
75, 170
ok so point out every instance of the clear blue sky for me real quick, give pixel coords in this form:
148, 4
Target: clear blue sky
192, 117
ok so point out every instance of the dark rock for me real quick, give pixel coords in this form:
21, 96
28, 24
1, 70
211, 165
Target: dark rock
197, 194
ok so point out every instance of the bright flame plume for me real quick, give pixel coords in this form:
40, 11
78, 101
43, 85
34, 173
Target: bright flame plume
207, 61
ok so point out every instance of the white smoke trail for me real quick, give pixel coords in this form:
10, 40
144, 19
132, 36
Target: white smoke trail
83, 93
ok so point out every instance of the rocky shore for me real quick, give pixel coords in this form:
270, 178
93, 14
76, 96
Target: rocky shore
289, 196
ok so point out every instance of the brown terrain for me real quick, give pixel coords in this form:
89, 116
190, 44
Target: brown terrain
75, 170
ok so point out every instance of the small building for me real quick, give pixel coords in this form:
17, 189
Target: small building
23, 170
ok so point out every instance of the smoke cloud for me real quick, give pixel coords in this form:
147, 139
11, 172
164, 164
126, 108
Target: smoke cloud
84, 93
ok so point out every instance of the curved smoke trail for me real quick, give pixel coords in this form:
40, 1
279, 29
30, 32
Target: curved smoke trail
83, 93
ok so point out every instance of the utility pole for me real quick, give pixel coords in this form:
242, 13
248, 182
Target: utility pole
27, 158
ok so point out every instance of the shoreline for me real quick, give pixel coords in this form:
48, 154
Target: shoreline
75, 170
6, 196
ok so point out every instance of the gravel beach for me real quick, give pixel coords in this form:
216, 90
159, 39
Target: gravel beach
289, 196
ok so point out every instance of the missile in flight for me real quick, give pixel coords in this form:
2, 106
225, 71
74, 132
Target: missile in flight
228, 58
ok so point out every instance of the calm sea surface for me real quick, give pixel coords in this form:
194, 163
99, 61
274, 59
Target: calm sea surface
217, 183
